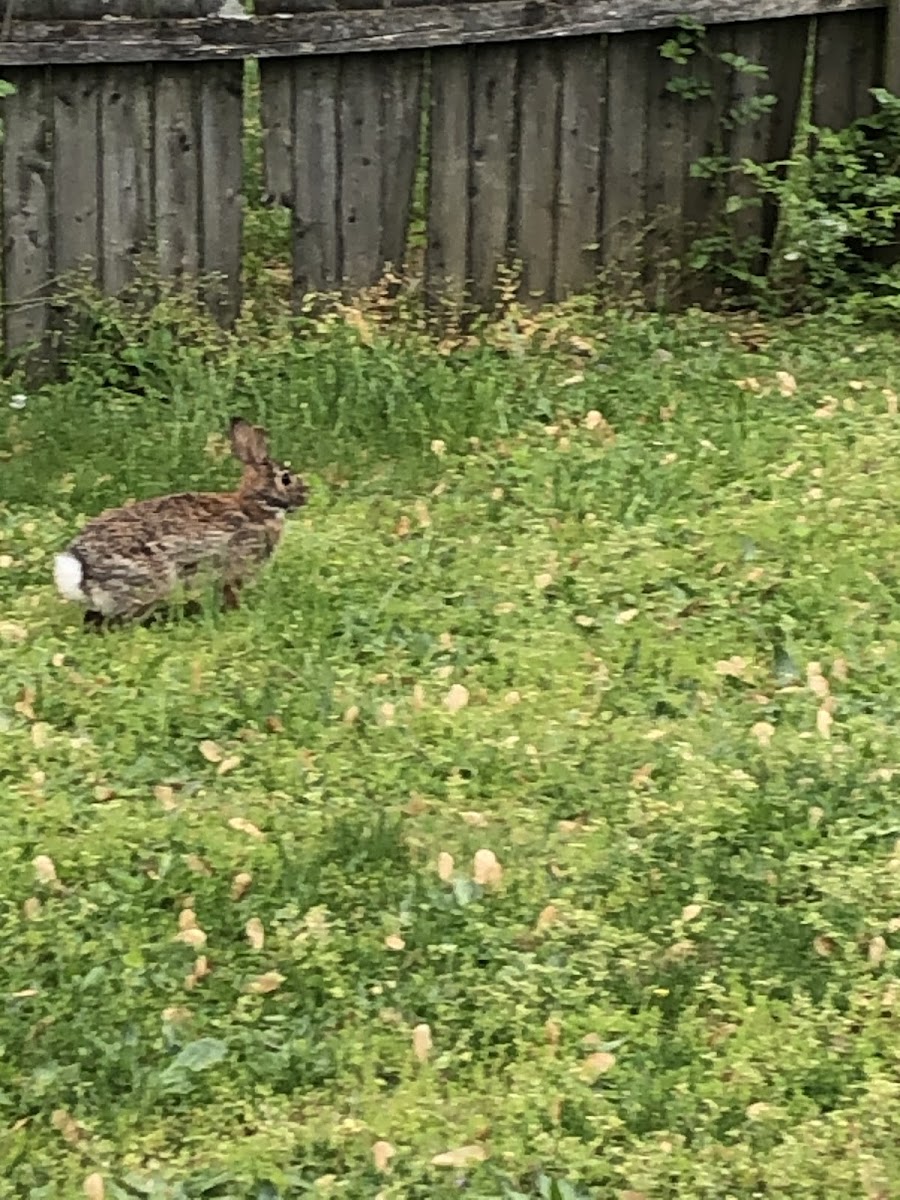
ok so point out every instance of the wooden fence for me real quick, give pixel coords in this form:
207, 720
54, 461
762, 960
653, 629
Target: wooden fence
552, 138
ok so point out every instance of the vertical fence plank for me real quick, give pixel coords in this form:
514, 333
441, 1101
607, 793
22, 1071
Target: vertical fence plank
361, 142
316, 176
447, 257
582, 144
849, 49
667, 167
221, 99
276, 103
177, 175
492, 150
625, 173
538, 183
781, 48
401, 105
125, 172
27, 199
703, 198
76, 165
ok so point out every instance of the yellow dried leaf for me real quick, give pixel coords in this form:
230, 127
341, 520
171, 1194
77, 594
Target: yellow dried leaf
177, 1014
351, 714
626, 615
31, 908
404, 527
641, 776
438, 447
40, 734
552, 1031
445, 866
594, 419
690, 912
64, 1123
44, 869
93, 1187
192, 937
394, 942
584, 621
239, 884
211, 751
734, 666
787, 384
263, 984
12, 631
462, 1156
187, 919
423, 516
256, 934
228, 764
457, 698
546, 917
840, 669
824, 946
387, 712
763, 732
382, 1153
421, 1042
597, 1064
477, 819
165, 795
244, 826
486, 870
543, 580
824, 721
877, 951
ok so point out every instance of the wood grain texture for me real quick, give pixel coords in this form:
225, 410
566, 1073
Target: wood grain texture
849, 61
221, 100
447, 264
76, 169
540, 77
361, 163
667, 168
781, 49
276, 98
177, 171
126, 171
705, 137
492, 186
27, 202
401, 114
625, 165
330, 30
85, 10
317, 249
583, 122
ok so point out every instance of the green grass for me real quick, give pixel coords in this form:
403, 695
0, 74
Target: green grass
683, 985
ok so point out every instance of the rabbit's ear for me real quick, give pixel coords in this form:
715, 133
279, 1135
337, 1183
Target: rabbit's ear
249, 443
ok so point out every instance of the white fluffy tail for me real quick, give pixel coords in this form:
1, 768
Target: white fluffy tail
68, 574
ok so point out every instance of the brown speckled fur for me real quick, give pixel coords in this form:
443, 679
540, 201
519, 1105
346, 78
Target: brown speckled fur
134, 557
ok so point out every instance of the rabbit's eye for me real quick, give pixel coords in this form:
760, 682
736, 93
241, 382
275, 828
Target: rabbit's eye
286, 478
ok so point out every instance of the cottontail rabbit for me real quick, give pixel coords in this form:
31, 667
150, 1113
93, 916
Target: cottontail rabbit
127, 561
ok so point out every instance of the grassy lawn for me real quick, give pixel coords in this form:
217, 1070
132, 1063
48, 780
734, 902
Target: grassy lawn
615, 603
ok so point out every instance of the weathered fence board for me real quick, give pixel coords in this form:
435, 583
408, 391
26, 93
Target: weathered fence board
75, 93
176, 164
221, 103
583, 118
316, 177
490, 194
125, 167
447, 267
849, 61
625, 163
28, 206
538, 174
